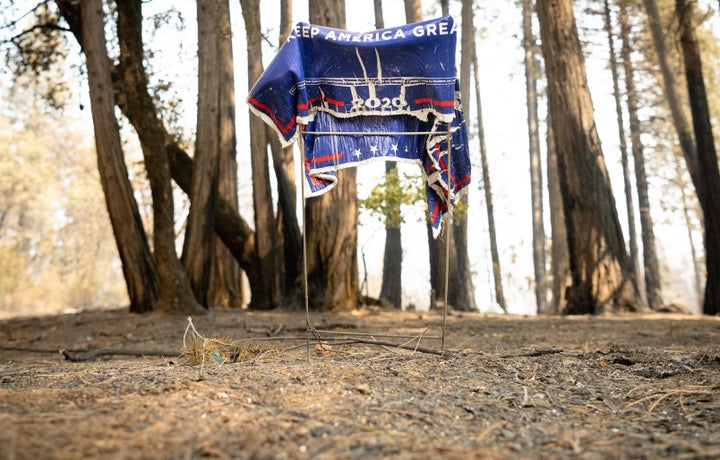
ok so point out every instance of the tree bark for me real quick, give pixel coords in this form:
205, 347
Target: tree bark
267, 294
285, 19
708, 186
687, 208
653, 286
130, 238
443, 259
487, 187
332, 218
413, 11
445, 7
225, 288
197, 248
289, 237
230, 227
599, 266
175, 293
673, 91
629, 201
391, 289
464, 298
559, 262
536, 179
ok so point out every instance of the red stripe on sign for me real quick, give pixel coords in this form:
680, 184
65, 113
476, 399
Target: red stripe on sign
312, 101
333, 157
266, 109
424, 100
313, 179
463, 182
335, 102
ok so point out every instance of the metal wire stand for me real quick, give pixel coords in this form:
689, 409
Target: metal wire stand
317, 333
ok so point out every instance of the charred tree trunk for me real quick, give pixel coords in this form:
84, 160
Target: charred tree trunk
708, 186
137, 263
599, 265
175, 291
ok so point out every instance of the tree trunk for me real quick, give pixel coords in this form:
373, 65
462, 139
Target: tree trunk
286, 24
464, 298
197, 249
289, 238
443, 259
175, 292
436, 247
559, 262
653, 285
332, 218
225, 287
536, 179
391, 289
629, 201
413, 11
673, 90
708, 186
267, 294
137, 263
230, 227
599, 266
495, 256
698, 269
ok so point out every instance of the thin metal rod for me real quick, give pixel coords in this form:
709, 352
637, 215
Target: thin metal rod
370, 334
366, 133
447, 240
304, 250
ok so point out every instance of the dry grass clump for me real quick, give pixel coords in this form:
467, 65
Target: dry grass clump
200, 350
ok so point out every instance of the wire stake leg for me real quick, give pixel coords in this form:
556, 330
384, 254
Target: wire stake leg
304, 244
447, 239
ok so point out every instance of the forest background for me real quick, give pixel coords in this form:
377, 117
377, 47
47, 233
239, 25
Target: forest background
59, 253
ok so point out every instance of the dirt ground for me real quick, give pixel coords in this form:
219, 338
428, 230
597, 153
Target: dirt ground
506, 387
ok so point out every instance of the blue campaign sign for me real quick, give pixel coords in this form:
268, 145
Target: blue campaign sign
396, 86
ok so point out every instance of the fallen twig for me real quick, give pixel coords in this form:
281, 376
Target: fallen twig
87, 355
659, 397
535, 352
404, 346
33, 350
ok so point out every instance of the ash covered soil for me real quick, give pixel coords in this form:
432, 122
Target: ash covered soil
243, 384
